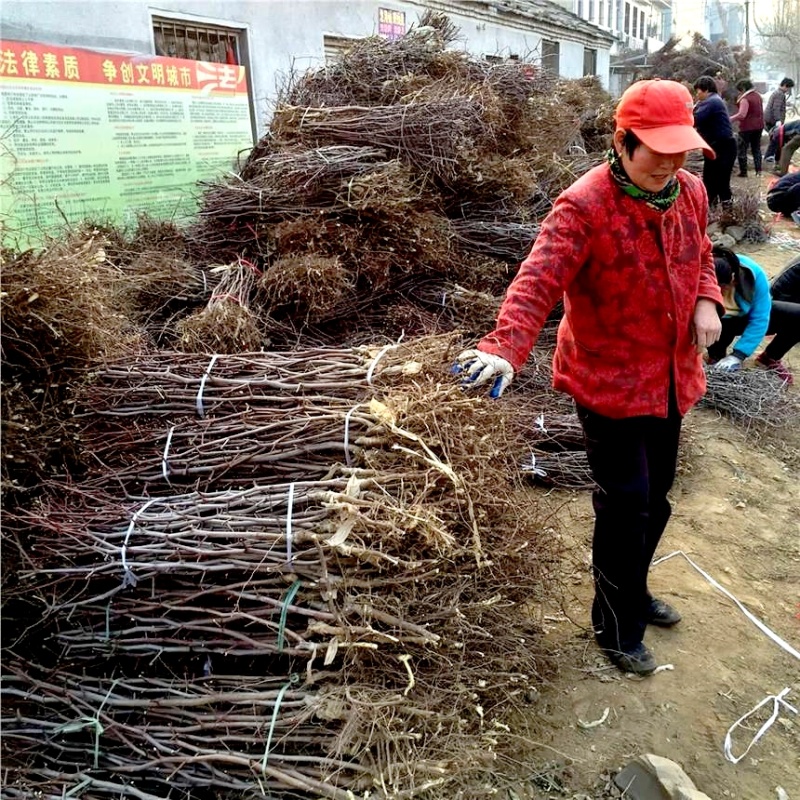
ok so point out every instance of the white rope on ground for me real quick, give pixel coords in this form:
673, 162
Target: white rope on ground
777, 702
752, 617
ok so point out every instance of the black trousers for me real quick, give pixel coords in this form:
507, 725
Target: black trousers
749, 140
784, 322
717, 171
633, 461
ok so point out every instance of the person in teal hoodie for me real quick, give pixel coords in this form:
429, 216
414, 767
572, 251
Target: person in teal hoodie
747, 300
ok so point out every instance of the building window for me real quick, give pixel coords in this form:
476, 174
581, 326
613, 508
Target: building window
550, 56
627, 28
641, 25
579, 12
589, 61
601, 13
179, 39
610, 13
335, 47
635, 25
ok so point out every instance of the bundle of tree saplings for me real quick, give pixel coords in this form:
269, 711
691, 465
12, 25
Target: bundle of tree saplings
389, 596
400, 163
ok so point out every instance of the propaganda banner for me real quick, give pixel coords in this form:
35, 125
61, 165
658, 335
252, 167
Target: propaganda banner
105, 136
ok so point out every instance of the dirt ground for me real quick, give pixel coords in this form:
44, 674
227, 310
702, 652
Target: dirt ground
736, 514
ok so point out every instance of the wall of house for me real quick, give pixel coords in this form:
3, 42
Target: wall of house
280, 36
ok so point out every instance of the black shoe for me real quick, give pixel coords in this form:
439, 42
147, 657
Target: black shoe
742, 174
661, 613
639, 660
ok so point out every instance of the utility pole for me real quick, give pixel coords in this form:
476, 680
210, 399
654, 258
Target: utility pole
747, 24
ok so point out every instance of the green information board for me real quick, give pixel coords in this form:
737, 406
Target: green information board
85, 134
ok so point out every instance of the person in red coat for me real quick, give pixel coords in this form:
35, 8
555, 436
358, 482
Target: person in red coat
626, 248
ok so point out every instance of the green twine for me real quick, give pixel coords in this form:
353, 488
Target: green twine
290, 595
79, 725
90, 722
278, 701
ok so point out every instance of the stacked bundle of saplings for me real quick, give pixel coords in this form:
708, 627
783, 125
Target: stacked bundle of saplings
347, 620
89, 294
405, 165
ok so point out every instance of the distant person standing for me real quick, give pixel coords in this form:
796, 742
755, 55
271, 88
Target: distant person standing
712, 122
775, 110
750, 116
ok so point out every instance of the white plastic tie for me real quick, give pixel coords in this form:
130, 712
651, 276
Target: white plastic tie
289, 507
533, 469
383, 351
199, 402
539, 423
164, 460
777, 702
128, 578
347, 459
755, 620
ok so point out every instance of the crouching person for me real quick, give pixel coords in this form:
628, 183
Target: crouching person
626, 248
747, 301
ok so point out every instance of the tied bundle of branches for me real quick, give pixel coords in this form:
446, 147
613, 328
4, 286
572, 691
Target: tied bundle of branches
298, 180
376, 71
243, 448
161, 278
181, 384
568, 469
309, 287
164, 420
471, 312
279, 554
226, 324
503, 239
554, 431
754, 398
62, 309
216, 734
402, 578
703, 57
429, 136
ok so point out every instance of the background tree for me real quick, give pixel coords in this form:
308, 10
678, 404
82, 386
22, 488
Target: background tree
780, 34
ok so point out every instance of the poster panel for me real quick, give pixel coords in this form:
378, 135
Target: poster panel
104, 136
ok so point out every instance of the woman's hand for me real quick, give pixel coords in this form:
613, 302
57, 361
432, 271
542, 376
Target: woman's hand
706, 325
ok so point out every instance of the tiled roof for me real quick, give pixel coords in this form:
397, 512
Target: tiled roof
551, 13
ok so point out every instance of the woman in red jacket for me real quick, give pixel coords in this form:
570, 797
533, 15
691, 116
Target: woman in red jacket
626, 247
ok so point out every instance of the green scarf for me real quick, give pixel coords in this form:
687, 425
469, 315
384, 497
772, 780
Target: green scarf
660, 201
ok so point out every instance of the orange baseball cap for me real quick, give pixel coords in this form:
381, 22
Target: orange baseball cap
659, 112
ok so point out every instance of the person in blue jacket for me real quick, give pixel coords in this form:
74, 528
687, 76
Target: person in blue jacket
747, 300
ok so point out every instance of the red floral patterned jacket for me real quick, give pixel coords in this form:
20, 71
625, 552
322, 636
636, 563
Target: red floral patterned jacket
630, 277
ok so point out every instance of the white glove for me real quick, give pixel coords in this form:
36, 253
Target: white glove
478, 368
728, 364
